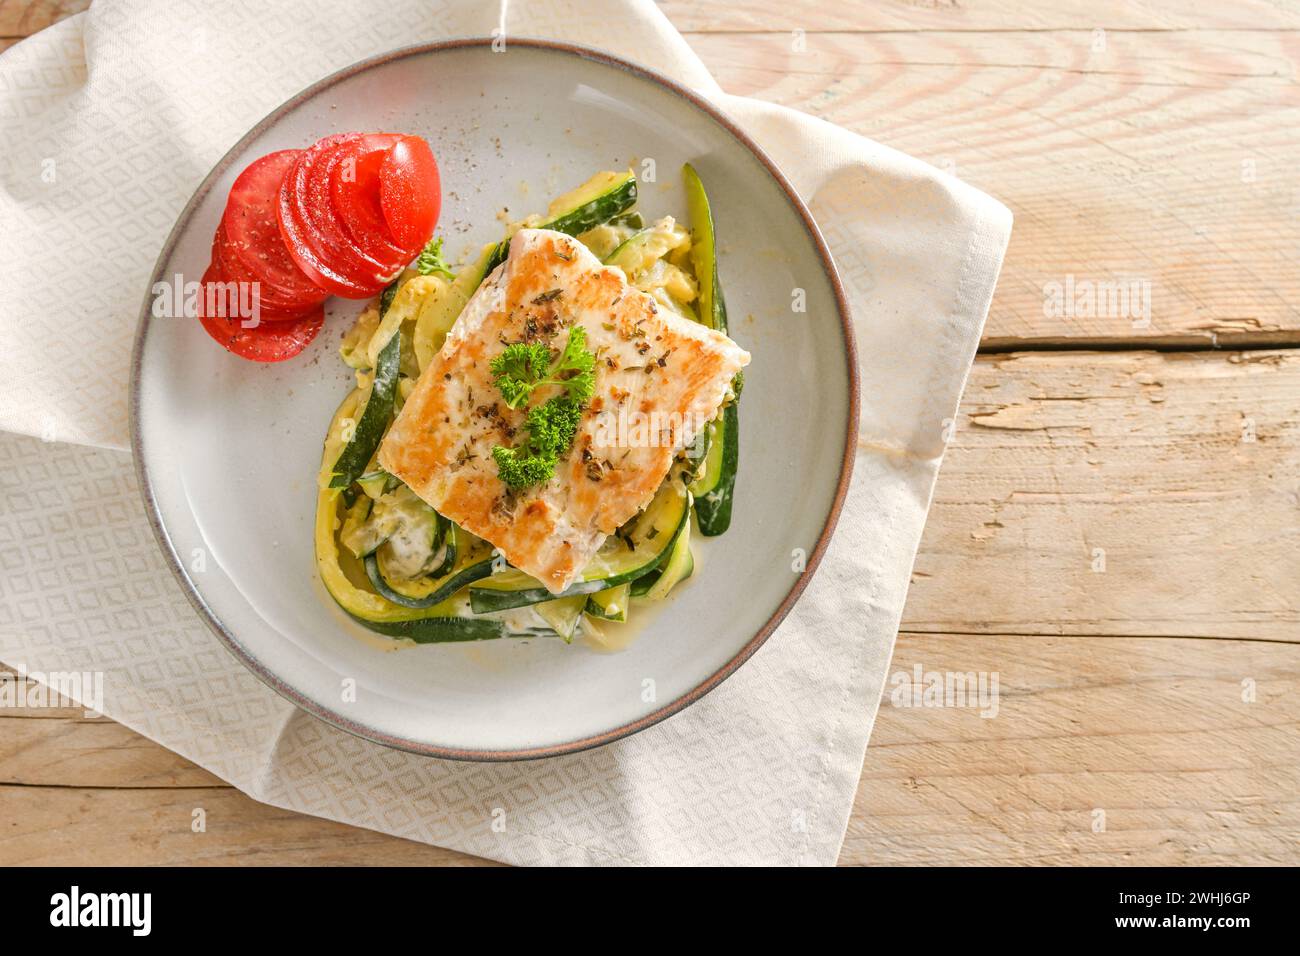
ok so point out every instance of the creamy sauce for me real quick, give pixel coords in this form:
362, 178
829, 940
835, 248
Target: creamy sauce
611, 637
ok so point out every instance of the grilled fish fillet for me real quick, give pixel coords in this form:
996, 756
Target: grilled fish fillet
659, 378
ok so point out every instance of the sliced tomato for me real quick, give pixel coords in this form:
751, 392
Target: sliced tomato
354, 192
274, 304
317, 241
268, 342
410, 192
324, 215
294, 232
250, 231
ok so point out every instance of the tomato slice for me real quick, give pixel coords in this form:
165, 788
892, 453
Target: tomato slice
252, 246
410, 192
354, 192
315, 238
273, 302
294, 231
269, 342
324, 213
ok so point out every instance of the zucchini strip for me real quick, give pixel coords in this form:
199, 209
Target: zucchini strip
441, 589
439, 624
563, 615
679, 566
654, 534
440, 314
445, 539
368, 432
454, 630
610, 196
610, 604
715, 491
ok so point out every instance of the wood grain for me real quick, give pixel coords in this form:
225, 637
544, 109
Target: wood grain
75, 826
920, 16
1159, 151
1119, 493
1167, 160
20, 18
1164, 149
1154, 732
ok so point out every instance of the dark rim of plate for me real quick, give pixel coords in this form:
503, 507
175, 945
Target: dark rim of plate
616, 733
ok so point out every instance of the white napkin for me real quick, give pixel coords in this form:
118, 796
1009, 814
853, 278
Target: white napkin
111, 118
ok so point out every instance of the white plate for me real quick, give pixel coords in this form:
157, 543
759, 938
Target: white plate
227, 450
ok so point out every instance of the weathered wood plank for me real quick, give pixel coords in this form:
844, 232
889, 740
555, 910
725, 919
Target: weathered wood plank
1165, 161
20, 18
1154, 734
131, 827
67, 752
910, 16
1119, 493
24, 17
1159, 734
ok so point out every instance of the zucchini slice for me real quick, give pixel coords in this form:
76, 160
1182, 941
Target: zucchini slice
611, 603
438, 624
445, 538
596, 201
651, 536
369, 430
424, 592
713, 492
438, 316
375, 483
679, 566
640, 251
563, 614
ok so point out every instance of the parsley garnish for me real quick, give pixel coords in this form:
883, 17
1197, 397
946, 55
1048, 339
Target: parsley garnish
551, 427
524, 367
431, 261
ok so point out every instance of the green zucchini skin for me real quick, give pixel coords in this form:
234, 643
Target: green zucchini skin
713, 505
356, 454
446, 536
618, 596
574, 222
452, 584
487, 600
484, 600
450, 630
386, 297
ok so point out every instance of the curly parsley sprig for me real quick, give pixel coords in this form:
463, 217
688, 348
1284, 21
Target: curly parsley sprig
525, 367
521, 369
431, 261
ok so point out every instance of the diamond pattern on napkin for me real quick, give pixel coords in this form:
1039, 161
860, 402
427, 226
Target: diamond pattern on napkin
112, 118
83, 587
105, 161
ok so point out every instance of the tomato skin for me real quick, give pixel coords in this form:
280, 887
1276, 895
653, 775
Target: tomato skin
251, 246
354, 195
323, 214
294, 231
343, 217
315, 238
268, 342
275, 307
410, 192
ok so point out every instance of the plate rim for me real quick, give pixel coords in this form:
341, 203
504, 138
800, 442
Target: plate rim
333, 717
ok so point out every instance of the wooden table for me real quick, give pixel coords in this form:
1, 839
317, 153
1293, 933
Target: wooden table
1116, 529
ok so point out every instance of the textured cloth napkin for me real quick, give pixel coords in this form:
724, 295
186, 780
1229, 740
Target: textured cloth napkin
109, 121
